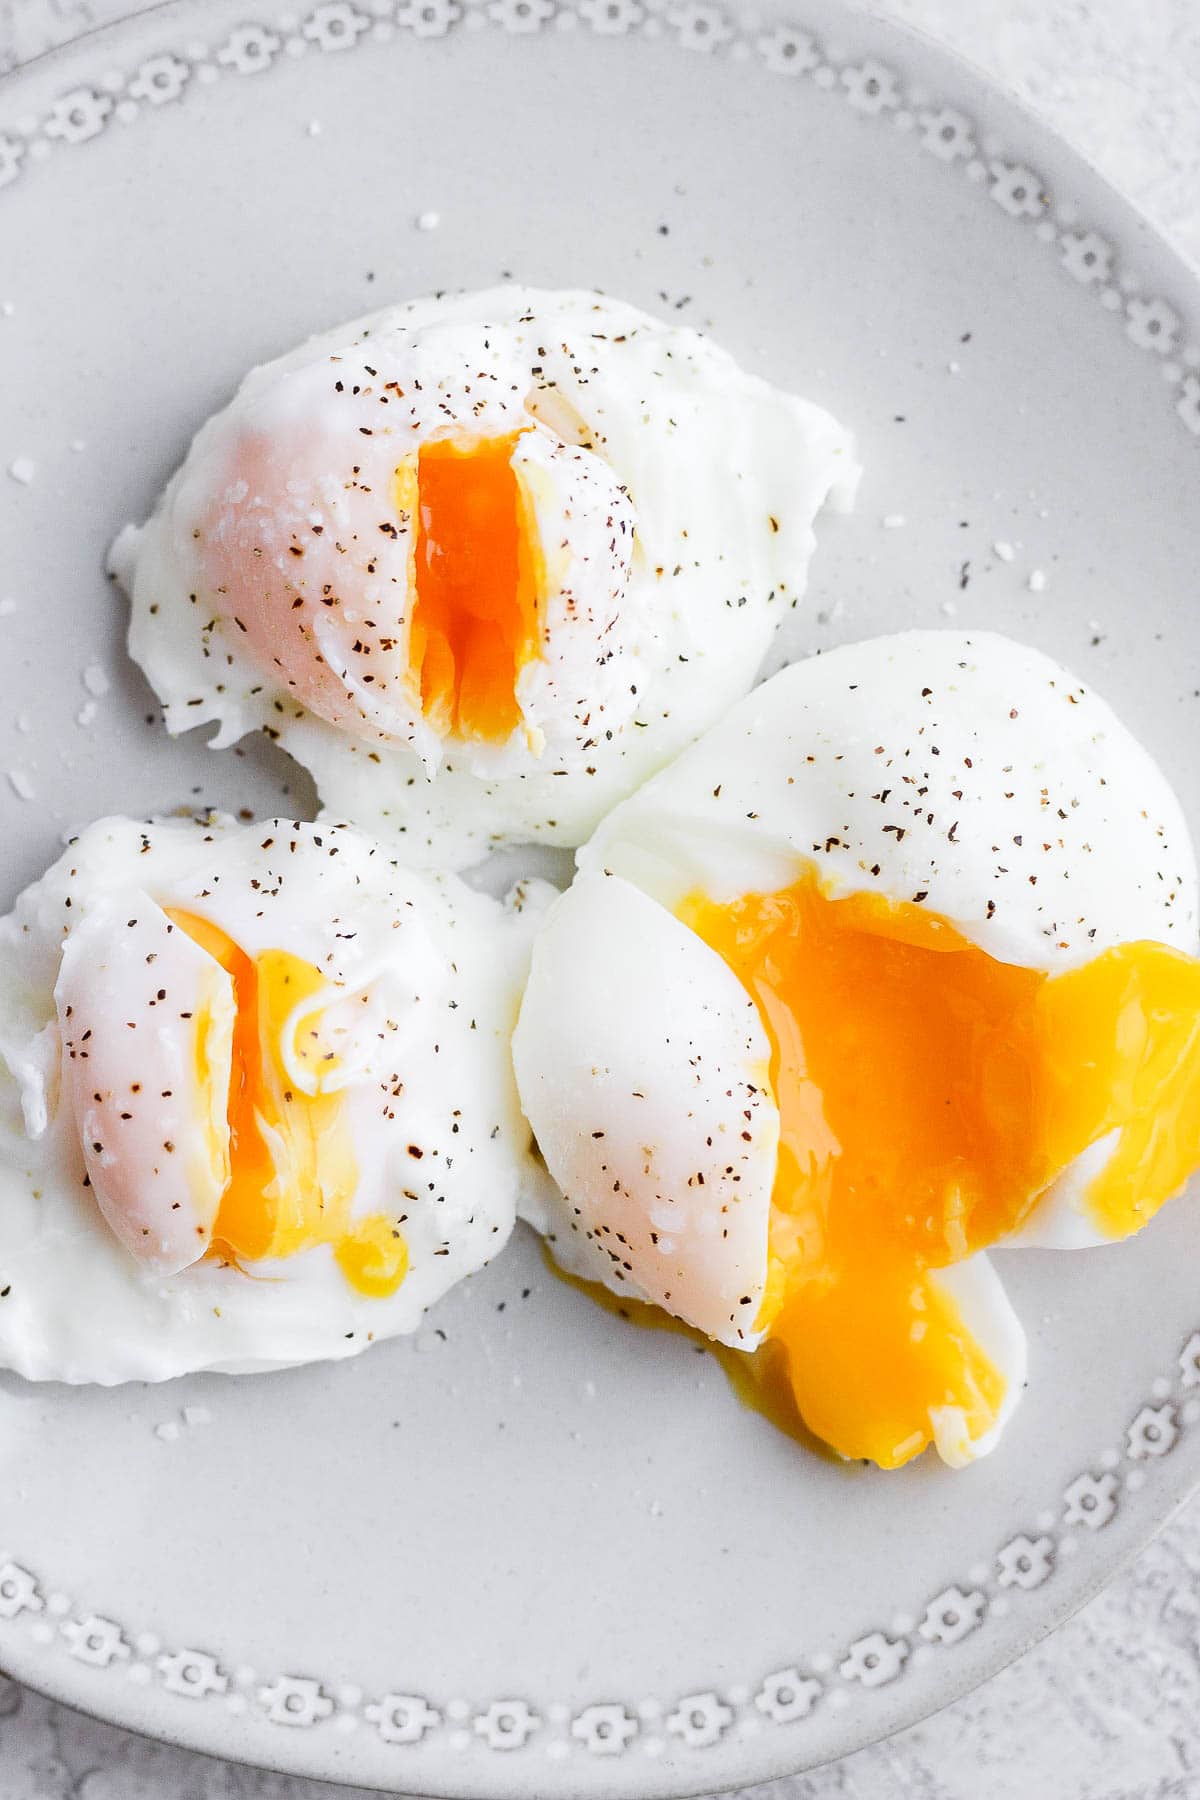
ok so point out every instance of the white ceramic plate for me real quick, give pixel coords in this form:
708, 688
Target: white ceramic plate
531, 1551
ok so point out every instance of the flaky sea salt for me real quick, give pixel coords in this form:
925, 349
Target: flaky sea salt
428, 221
96, 681
1037, 581
20, 784
22, 469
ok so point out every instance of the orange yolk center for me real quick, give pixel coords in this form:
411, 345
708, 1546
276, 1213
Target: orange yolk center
928, 1094
474, 616
293, 1172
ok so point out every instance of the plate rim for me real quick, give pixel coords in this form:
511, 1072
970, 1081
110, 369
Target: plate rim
1181, 1475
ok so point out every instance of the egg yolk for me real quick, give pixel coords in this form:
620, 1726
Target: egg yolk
293, 1173
928, 1094
476, 584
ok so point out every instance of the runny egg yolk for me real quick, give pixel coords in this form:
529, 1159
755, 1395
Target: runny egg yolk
928, 1094
476, 583
293, 1172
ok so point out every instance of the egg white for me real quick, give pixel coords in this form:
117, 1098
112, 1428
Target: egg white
677, 492
643, 1067
440, 963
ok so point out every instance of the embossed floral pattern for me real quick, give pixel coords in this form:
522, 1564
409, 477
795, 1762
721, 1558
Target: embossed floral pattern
295, 1700
605, 1729
192, 1672
875, 1659
95, 1640
870, 88
1018, 190
612, 18
335, 27
249, 50
19, 1591
1090, 1500
521, 15
700, 1720
947, 134
789, 52
78, 116
159, 80
700, 27
1025, 1562
428, 18
1153, 325
506, 1724
1153, 1432
787, 1695
402, 1718
1087, 256
951, 1615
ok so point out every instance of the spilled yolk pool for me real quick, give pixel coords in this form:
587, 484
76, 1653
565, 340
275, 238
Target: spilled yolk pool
476, 582
927, 1095
292, 1169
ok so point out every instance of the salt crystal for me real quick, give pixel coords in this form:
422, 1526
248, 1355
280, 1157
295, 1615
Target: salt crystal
168, 1431
1004, 551
86, 713
95, 680
22, 469
1037, 581
20, 784
7, 309
656, 1509
428, 221
949, 608
894, 521
314, 128
197, 1415
952, 368
78, 445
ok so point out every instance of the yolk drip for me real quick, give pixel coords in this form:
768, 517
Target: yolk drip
477, 581
293, 1173
927, 1095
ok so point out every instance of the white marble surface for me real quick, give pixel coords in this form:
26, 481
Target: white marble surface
1109, 1708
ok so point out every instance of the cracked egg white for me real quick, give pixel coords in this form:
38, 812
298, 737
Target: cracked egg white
481, 563
896, 964
256, 1098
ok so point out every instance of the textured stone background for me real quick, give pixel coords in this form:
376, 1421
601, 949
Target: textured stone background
1109, 1708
